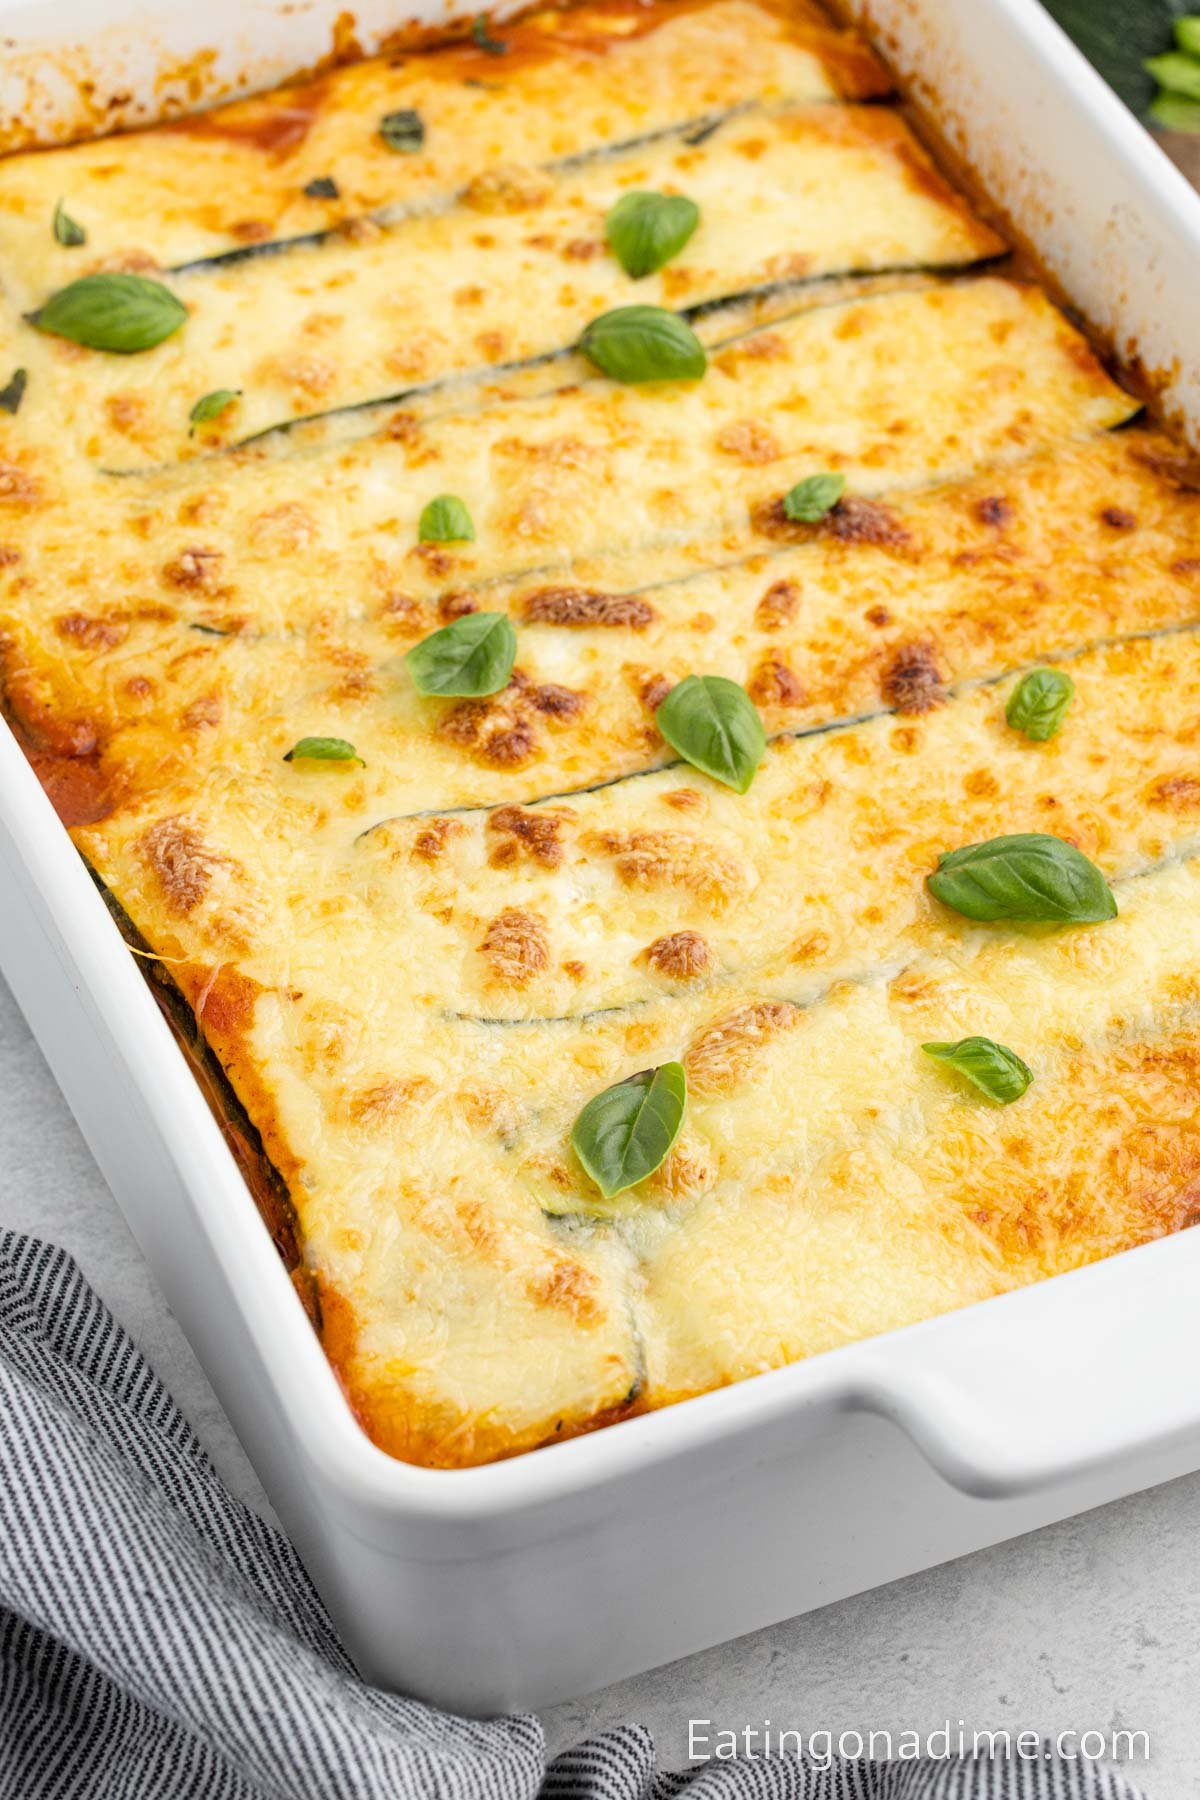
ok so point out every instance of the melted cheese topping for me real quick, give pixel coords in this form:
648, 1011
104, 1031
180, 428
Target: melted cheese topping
416, 970
573, 80
520, 256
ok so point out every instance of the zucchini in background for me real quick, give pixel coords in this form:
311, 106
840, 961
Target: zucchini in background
1117, 36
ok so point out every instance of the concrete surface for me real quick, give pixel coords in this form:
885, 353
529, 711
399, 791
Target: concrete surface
1092, 1624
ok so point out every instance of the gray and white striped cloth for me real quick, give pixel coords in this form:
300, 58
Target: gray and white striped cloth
158, 1641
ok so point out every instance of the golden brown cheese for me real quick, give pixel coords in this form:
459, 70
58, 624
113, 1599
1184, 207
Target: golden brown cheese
573, 80
513, 270
833, 1063
967, 581
417, 968
902, 388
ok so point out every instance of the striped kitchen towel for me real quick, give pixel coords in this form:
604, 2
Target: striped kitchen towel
158, 1641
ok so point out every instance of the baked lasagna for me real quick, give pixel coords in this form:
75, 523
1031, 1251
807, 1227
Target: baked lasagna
635, 680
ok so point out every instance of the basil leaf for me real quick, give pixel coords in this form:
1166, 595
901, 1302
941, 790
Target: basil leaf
13, 393
66, 231
469, 657
644, 343
1187, 34
403, 130
322, 187
1029, 875
645, 230
319, 749
810, 499
993, 1068
211, 406
1038, 704
626, 1132
446, 521
1173, 113
479, 31
121, 313
1177, 73
714, 725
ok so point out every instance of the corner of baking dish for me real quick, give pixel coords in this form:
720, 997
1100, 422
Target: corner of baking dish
1103, 208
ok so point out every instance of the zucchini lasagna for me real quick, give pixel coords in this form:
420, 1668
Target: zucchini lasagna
636, 684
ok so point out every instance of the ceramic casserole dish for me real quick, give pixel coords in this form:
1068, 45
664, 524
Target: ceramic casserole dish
524, 1581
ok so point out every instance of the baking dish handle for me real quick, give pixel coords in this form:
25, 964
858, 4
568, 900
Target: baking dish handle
1056, 1381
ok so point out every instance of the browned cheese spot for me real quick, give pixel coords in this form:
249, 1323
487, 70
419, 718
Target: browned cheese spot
507, 190
387, 1100
685, 800
673, 859
284, 530
561, 704
1181, 792
183, 863
749, 441
855, 520
1119, 518
203, 713
515, 947
777, 605
583, 606
193, 568
17, 487
93, 634
651, 687
910, 681
683, 955
688, 1172
722, 1055
430, 842
502, 730
570, 1288
773, 683
457, 605
529, 833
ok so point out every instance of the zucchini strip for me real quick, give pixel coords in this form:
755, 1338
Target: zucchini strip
517, 266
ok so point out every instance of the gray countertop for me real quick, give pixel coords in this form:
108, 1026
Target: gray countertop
1091, 1624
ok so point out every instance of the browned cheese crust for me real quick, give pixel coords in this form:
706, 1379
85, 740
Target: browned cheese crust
414, 969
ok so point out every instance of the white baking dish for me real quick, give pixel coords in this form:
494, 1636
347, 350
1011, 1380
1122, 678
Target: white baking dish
532, 1580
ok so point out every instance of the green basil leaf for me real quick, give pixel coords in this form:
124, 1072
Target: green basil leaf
1029, 875
645, 230
446, 521
644, 343
1187, 34
714, 725
66, 231
211, 406
403, 131
810, 499
1038, 704
12, 394
1177, 73
471, 656
482, 36
1173, 113
322, 187
121, 313
321, 749
626, 1132
993, 1068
